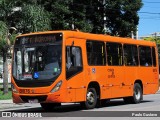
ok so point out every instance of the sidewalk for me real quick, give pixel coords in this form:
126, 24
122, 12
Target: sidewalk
8, 104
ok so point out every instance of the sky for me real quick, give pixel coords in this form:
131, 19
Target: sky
149, 21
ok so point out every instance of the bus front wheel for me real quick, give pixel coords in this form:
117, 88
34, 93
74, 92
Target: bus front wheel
91, 99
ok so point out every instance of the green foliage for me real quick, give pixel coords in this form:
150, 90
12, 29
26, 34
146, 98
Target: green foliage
122, 17
157, 40
6, 11
6, 19
68, 14
38, 15
12, 38
6, 96
60, 13
3, 34
149, 39
34, 18
79, 16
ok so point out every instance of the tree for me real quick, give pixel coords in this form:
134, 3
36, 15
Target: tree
122, 16
68, 14
153, 39
6, 9
95, 14
4, 45
33, 18
119, 16
60, 13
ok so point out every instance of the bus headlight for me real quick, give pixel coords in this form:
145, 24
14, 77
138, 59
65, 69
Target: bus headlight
57, 86
13, 88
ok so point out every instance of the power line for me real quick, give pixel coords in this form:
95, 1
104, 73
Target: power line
149, 18
149, 13
150, 2
147, 6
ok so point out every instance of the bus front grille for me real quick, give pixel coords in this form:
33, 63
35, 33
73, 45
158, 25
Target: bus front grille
39, 98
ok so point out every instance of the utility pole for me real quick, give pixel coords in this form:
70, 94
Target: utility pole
72, 24
132, 35
104, 17
137, 33
155, 36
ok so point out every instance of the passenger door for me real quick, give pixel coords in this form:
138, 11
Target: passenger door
74, 74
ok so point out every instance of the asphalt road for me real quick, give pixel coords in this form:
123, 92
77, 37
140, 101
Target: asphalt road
149, 107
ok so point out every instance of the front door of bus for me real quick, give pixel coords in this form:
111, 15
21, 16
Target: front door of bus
74, 74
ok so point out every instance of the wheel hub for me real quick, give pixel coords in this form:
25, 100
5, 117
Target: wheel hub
137, 94
90, 98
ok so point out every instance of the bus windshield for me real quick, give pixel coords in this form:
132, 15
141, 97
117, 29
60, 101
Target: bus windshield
37, 61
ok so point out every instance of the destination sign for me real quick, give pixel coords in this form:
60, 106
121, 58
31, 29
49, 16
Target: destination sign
42, 38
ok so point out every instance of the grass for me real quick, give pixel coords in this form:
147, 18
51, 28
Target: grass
5, 97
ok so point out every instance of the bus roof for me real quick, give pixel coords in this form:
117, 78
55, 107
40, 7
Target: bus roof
91, 36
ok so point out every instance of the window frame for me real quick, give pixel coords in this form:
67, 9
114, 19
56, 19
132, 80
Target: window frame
154, 59
78, 71
102, 54
122, 61
132, 45
146, 64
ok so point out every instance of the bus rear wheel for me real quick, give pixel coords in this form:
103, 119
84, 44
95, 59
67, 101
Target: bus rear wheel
91, 99
137, 95
49, 106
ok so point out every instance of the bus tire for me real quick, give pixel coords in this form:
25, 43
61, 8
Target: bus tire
137, 95
49, 106
91, 99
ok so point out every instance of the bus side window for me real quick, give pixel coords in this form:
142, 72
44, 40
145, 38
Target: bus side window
145, 56
114, 54
96, 53
130, 55
73, 61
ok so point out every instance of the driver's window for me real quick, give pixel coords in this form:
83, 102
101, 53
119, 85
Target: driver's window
17, 71
73, 61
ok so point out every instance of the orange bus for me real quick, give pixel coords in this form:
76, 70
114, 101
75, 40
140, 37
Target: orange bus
57, 67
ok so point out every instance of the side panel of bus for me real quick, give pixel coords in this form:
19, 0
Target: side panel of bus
116, 70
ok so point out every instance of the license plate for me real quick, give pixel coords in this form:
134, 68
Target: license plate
33, 101
24, 91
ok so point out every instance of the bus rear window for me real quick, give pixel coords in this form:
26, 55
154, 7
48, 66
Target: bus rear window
153, 57
145, 56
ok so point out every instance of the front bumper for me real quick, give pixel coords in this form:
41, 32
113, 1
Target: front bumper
41, 98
